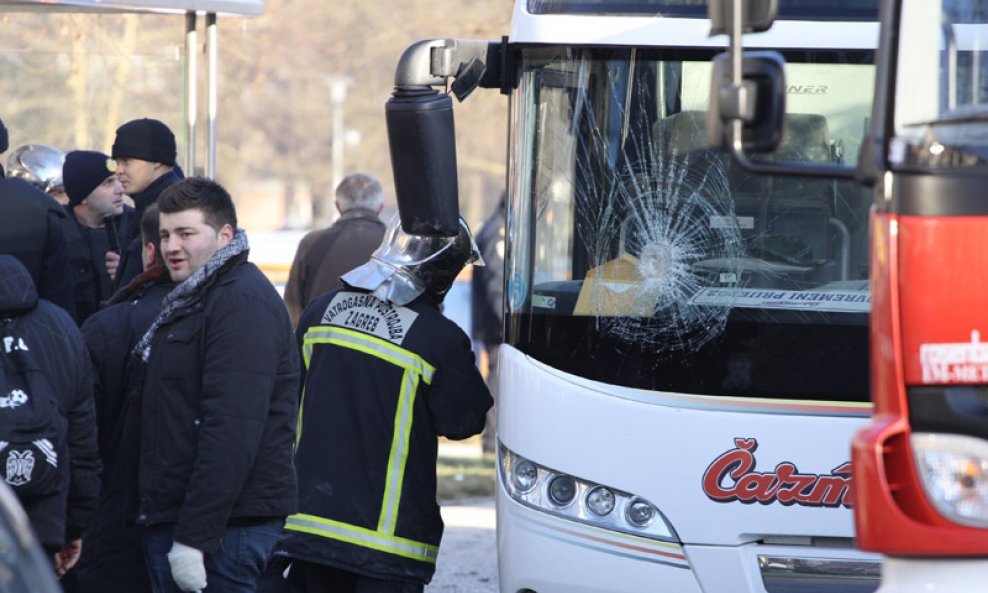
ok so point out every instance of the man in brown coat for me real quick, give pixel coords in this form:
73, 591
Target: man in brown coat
325, 255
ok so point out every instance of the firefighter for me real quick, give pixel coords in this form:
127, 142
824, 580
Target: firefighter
384, 375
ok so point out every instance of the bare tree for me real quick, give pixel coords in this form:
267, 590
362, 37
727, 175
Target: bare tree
71, 79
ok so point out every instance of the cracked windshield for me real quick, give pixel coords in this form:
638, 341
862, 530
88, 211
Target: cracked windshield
635, 249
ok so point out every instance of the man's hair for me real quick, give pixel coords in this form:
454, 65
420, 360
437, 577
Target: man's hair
149, 228
359, 190
203, 194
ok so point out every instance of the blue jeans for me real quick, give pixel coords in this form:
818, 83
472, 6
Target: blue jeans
234, 568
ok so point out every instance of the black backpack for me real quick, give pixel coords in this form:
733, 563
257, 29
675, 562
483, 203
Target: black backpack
33, 430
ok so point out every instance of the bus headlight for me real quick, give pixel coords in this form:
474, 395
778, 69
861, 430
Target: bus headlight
562, 490
523, 475
954, 472
641, 512
600, 501
580, 500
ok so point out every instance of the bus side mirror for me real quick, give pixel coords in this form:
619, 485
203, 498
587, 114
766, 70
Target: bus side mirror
756, 15
759, 102
421, 134
423, 157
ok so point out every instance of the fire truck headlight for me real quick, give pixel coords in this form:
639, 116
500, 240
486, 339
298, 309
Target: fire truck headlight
954, 472
556, 493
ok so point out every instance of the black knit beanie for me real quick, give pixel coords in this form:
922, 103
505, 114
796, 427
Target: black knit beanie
83, 171
145, 139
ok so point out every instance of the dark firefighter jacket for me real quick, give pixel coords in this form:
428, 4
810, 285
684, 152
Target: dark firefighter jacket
380, 384
219, 408
58, 349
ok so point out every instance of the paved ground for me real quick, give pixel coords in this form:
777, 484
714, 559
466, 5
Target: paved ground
468, 554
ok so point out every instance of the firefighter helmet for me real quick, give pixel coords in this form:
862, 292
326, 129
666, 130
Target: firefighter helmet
38, 164
406, 265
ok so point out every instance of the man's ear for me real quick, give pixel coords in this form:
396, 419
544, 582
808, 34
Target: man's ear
150, 253
226, 234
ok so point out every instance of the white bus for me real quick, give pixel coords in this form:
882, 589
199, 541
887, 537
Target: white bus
686, 351
686, 344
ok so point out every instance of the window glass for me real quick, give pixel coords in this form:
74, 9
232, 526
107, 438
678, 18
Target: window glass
639, 256
942, 85
788, 9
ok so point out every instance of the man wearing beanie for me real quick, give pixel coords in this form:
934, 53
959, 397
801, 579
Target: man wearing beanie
96, 212
145, 153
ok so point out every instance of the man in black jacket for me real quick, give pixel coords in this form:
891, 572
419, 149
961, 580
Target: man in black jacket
56, 347
219, 404
113, 559
145, 152
30, 230
96, 208
385, 374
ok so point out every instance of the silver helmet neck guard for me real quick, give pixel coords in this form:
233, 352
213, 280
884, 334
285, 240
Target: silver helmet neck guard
405, 266
38, 164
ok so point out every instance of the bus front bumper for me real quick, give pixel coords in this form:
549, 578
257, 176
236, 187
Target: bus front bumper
541, 553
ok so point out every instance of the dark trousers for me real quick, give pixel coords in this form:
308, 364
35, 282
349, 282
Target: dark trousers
306, 577
234, 568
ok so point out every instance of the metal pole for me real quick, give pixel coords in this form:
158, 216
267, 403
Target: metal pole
338, 98
338, 86
211, 86
191, 92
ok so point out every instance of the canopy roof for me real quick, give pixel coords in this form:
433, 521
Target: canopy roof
241, 7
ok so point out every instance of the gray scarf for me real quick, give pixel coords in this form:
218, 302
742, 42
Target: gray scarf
186, 292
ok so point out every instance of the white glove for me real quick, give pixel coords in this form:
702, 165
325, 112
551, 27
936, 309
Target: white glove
188, 568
